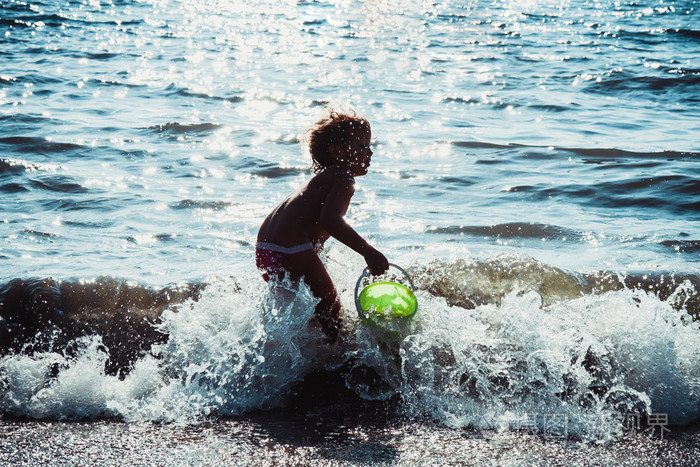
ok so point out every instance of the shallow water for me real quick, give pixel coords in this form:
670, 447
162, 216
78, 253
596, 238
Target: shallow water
147, 140
535, 170
267, 440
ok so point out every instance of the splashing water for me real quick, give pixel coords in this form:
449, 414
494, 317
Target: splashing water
231, 350
587, 361
518, 360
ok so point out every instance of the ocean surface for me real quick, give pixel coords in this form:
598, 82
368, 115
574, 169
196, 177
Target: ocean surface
536, 169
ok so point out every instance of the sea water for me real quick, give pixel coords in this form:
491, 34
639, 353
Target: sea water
536, 170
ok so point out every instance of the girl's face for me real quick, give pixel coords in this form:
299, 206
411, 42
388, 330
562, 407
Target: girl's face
355, 153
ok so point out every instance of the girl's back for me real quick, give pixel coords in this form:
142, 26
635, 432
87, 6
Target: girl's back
297, 219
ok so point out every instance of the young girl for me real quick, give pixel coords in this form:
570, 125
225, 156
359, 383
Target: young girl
294, 232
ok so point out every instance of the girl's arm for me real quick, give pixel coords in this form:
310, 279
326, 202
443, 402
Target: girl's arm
332, 219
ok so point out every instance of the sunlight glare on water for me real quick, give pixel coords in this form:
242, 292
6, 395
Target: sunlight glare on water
534, 168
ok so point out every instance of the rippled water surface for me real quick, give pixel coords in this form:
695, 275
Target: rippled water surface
145, 139
536, 168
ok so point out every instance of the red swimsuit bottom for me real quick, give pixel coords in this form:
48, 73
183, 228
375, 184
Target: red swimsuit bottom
272, 258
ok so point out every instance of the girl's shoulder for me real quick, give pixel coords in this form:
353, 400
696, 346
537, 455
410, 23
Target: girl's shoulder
333, 174
329, 179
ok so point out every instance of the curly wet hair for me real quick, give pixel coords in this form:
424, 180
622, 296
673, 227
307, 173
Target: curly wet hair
334, 128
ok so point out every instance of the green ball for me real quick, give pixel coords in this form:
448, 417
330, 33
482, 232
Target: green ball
382, 295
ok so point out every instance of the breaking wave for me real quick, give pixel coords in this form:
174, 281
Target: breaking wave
496, 343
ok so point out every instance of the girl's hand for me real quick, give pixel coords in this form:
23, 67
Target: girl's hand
376, 262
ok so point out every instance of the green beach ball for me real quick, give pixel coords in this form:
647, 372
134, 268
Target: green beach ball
382, 295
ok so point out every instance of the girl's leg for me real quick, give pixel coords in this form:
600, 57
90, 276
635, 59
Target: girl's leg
308, 265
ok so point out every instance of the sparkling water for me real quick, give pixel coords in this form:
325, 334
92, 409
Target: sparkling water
536, 169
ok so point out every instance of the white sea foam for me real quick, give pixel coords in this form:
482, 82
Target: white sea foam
583, 363
238, 347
